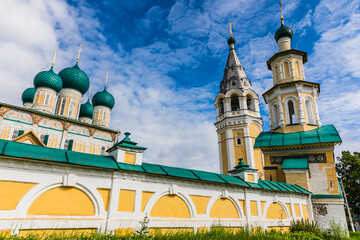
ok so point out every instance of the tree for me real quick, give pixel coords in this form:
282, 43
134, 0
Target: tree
348, 169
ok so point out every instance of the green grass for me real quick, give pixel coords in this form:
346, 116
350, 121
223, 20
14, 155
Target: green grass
214, 234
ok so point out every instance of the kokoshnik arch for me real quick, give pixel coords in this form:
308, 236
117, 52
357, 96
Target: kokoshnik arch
62, 169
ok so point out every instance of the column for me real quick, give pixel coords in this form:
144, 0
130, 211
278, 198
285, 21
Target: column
281, 113
230, 149
249, 148
301, 107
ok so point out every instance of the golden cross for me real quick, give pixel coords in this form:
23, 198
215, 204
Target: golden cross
281, 17
107, 74
53, 61
90, 91
77, 60
230, 29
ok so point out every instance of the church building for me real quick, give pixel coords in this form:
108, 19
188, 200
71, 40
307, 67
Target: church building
63, 169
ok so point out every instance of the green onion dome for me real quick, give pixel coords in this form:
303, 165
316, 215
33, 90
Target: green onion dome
86, 110
75, 78
283, 31
48, 79
231, 40
28, 95
103, 98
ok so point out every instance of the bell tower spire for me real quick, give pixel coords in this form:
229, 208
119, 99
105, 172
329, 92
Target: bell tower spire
238, 119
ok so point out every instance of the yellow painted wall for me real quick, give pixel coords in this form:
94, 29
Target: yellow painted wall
239, 151
130, 158
200, 203
144, 199
304, 210
126, 200
105, 194
11, 193
41, 98
253, 208
124, 231
289, 208
62, 201
250, 177
223, 208
328, 168
297, 210
254, 131
300, 179
262, 203
170, 206
242, 204
275, 211
224, 156
42, 233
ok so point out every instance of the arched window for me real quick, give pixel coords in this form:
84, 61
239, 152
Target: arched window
297, 69
235, 103
277, 73
62, 106
221, 106
286, 70
102, 150
275, 116
46, 99
238, 139
309, 112
291, 112
250, 103
104, 116
71, 108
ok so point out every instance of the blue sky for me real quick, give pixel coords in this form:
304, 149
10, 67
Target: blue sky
166, 60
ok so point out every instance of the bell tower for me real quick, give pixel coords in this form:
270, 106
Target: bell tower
238, 119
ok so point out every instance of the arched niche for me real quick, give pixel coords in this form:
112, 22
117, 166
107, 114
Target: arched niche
50, 123
63, 201
223, 208
18, 116
170, 206
276, 211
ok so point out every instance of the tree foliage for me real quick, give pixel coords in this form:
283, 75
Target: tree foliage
348, 168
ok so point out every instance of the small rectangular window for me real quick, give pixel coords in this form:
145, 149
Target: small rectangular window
15, 134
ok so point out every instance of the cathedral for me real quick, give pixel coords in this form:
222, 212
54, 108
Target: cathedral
63, 169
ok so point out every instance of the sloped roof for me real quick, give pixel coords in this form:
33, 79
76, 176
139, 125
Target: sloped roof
324, 134
11, 149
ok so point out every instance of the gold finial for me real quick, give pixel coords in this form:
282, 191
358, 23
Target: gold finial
53, 61
107, 74
281, 17
42, 69
230, 28
90, 91
77, 60
117, 135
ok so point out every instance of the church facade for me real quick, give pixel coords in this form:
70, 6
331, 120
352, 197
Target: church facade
63, 169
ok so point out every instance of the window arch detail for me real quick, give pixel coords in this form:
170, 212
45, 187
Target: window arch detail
235, 105
275, 115
291, 111
309, 112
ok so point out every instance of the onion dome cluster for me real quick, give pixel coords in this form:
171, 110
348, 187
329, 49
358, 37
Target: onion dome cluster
103, 98
48, 79
28, 95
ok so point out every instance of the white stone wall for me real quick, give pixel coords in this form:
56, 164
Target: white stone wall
49, 175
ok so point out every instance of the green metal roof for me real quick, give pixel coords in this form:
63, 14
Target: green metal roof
48, 79
39, 153
28, 95
86, 110
324, 134
75, 78
295, 163
126, 142
103, 98
283, 31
